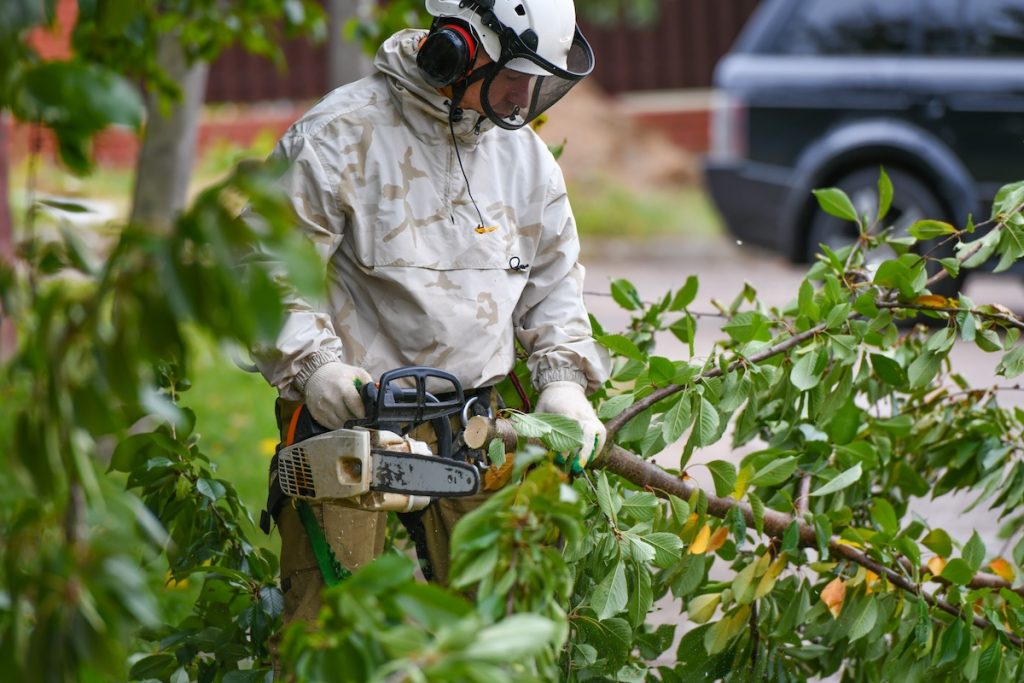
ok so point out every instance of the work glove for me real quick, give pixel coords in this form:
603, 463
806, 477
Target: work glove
332, 394
568, 399
405, 444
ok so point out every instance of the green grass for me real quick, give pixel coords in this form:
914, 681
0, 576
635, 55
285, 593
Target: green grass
608, 210
235, 420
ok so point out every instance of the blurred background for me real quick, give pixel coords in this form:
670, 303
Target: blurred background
692, 150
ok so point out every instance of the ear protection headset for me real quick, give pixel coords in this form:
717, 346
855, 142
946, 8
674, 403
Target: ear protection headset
448, 53
449, 50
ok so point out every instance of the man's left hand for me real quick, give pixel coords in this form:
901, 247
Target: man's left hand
569, 399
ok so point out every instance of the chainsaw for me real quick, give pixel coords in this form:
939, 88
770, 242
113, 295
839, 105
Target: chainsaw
370, 463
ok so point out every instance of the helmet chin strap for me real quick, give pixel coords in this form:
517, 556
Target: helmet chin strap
459, 89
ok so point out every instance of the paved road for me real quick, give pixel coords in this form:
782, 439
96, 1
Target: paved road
722, 267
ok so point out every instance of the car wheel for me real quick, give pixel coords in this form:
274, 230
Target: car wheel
912, 201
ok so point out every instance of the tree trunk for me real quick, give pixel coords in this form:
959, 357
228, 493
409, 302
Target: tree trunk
7, 336
169, 142
345, 59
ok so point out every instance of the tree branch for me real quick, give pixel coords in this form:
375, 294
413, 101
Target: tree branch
649, 476
616, 423
1007, 318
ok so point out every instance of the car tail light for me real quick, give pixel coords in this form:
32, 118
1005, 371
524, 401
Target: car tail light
728, 127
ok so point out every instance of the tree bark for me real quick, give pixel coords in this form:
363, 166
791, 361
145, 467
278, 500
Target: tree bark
169, 141
345, 59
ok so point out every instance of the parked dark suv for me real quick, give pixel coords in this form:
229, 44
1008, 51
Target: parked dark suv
819, 93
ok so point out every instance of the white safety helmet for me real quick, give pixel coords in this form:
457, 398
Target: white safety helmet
535, 38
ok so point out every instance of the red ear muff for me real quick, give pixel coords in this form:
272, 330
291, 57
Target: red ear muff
447, 55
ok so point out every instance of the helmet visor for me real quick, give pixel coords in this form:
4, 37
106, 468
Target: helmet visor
523, 85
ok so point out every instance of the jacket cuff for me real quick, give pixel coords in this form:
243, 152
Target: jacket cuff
550, 375
311, 364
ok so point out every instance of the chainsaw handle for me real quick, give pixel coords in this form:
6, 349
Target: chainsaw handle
389, 401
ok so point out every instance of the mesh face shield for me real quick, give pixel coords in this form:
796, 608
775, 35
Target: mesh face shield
522, 84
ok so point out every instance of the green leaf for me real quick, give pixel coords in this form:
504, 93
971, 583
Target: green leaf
888, 370
845, 479
884, 194
685, 330
1012, 363
158, 666
835, 202
805, 301
563, 434
938, 542
958, 572
846, 423
610, 596
680, 509
677, 419
748, 326
667, 548
701, 608
906, 274
923, 370
721, 634
707, 423
606, 499
640, 506
775, 472
805, 374
990, 663
625, 295
662, 371
951, 265
211, 489
723, 474
516, 637
884, 515
685, 296
621, 345
529, 425
974, 552
864, 620
930, 229
757, 509
496, 452
614, 406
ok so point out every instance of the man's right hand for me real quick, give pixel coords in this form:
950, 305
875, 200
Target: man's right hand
332, 394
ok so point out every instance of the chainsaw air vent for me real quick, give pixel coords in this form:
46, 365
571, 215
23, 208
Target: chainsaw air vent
295, 474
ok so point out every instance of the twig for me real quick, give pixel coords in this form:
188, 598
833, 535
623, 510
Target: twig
803, 498
1008, 318
615, 424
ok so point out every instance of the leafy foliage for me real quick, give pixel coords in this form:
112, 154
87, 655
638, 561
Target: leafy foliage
805, 561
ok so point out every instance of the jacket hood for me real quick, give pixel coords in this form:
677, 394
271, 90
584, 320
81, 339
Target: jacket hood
424, 109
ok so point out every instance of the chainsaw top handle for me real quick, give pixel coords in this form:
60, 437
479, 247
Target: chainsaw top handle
394, 405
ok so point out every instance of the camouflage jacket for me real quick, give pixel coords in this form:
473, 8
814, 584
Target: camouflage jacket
412, 276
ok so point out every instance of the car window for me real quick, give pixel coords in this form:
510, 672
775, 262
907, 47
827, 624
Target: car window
871, 27
997, 27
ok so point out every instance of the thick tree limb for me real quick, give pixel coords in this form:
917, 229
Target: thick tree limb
647, 475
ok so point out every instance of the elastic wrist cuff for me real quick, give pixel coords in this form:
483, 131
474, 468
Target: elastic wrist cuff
550, 375
311, 364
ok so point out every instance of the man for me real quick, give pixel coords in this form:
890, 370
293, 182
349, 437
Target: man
444, 239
